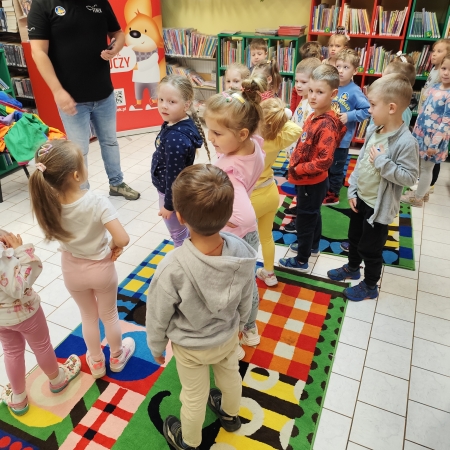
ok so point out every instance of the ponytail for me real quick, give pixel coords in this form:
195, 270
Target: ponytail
269, 69
274, 118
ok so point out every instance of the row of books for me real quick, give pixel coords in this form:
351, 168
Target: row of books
191, 74
356, 21
422, 60
285, 57
390, 23
22, 87
9, 16
282, 30
5, 160
361, 129
3, 85
188, 42
424, 24
325, 18
14, 54
232, 51
286, 90
379, 58
3, 22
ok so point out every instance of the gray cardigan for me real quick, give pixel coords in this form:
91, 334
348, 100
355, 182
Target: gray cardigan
398, 167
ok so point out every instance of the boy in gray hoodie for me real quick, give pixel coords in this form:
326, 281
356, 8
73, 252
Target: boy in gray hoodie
388, 161
200, 298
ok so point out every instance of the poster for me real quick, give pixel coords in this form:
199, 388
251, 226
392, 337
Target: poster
138, 67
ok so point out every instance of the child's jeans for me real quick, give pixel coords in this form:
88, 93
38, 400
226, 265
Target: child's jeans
336, 171
366, 242
34, 331
309, 220
93, 286
177, 232
252, 239
193, 370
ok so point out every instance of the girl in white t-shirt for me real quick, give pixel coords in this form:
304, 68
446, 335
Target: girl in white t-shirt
79, 221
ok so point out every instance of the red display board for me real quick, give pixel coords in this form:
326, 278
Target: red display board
140, 65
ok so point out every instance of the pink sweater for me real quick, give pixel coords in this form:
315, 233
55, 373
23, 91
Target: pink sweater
244, 172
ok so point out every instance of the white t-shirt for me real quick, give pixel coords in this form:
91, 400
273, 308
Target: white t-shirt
86, 219
299, 117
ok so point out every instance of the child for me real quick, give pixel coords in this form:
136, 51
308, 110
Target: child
234, 75
278, 132
200, 298
79, 221
388, 160
353, 107
232, 121
337, 42
269, 71
309, 164
176, 144
258, 52
432, 131
22, 319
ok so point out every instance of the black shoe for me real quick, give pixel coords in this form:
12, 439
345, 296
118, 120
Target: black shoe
291, 212
229, 423
172, 433
290, 227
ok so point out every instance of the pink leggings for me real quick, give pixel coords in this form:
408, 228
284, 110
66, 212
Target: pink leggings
93, 286
35, 331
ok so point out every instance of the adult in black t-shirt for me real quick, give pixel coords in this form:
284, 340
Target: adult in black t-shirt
69, 45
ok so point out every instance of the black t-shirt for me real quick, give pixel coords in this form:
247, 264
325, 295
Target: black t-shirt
77, 34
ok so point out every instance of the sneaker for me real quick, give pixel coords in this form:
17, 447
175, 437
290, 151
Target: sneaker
19, 409
173, 435
250, 337
345, 246
229, 423
331, 199
426, 197
240, 353
268, 277
292, 263
343, 273
290, 227
360, 292
291, 212
412, 200
123, 190
294, 248
71, 368
128, 347
97, 368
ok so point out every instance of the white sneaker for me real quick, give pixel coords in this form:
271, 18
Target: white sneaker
128, 347
269, 278
250, 337
240, 353
97, 368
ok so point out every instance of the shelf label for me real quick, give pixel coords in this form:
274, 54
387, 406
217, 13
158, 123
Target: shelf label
428, 34
327, 30
425, 74
360, 69
371, 71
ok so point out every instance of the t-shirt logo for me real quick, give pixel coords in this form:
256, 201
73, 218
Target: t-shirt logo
94, 9
60, 11
303, 138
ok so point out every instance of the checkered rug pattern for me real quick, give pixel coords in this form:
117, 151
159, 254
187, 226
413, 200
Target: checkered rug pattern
284, 378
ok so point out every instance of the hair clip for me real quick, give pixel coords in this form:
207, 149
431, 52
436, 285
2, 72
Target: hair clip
342, 31
41, 167
238, 97
227, 97
44, 149
402, 56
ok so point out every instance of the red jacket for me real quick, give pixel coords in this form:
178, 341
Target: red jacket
313, 155
295, 100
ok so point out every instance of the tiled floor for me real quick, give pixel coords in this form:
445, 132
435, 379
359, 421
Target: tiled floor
390, 385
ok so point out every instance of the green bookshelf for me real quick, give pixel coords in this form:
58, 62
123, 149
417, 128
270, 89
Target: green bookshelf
4, 73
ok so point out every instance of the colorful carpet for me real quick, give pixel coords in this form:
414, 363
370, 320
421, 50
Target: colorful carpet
284, 378
399, 248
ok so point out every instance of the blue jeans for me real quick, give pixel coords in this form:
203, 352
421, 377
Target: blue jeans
252, 239
336, 172
103, 116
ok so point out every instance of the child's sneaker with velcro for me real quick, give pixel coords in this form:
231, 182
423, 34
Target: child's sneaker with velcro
344, 273
97, 368
361, 292
268, 277
71, 369
117, 364
294, 248
293, 263
172, 433
229, 423
17, 408
250, 337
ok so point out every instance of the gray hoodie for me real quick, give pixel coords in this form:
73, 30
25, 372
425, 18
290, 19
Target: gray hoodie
199, 301
398, 167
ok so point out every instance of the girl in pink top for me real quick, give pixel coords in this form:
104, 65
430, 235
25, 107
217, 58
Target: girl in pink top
232, 120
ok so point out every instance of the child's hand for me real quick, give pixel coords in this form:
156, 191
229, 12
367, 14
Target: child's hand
116, 252
375, 153
231, 225
352, 203
160, 360
431, 152
165, 213
344, 118
12, 241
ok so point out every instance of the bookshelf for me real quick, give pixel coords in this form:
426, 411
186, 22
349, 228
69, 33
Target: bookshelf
239, 48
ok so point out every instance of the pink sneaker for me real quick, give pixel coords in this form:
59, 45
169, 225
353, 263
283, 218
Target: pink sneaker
71, 368
19, 409
128, 347
97, 368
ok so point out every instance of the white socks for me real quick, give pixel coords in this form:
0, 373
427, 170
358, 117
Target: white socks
18, 398
59, 379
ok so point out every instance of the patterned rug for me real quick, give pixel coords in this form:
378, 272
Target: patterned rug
284, 378
399, 248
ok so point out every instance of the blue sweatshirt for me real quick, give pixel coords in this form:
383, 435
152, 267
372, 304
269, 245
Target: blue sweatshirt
175, 149
352, 101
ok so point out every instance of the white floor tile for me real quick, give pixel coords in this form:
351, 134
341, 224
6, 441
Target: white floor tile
51, 246
48, 309
29, 238
160, 228
432, 329
349, 361
377, 429
433, 305
434, 221
384, 391
389, 358
437, 210
411, 446
123, 269
435, 249
138, 227
434, 284
332, 432
353, 446
399, 285
395, 306
327, 262
394, 331
413, 274
431, 356
432, 234
127, 215
7, 220
435, 266
428, 426
430, 388
55, 293
150, 240
341, 394
49, 273
138, 205
23, 207
355, 332
67, 315
149, 215
134, 255
361, 310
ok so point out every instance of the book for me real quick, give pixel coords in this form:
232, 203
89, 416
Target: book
325, 18
424, 24
285, 56
356, 21
266, 31
422, 60
379, 58
291, 30
390, 23
362, 128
